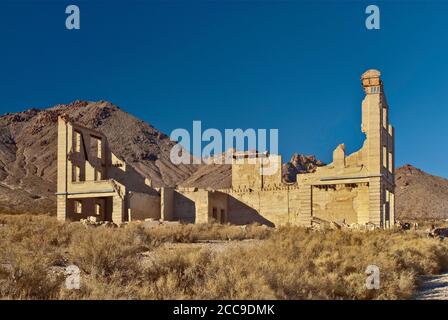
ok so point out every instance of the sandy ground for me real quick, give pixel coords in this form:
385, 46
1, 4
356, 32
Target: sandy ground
433, 287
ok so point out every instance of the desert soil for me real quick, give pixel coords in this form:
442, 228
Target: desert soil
433, 287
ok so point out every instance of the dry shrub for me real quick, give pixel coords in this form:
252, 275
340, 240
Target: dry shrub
295, 263
188, 233
290, 263
302, 264
102, 251
26, 276
28, 246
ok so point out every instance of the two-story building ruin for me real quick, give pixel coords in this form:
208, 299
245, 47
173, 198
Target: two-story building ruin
356, 188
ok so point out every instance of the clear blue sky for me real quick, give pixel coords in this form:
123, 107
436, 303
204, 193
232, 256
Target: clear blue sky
290, 65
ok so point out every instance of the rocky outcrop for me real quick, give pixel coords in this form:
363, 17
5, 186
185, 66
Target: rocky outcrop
299, 163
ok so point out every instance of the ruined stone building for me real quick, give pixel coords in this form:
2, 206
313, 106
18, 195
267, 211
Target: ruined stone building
356, 188
92, 181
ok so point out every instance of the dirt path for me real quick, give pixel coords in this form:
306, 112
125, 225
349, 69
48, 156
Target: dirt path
433, 287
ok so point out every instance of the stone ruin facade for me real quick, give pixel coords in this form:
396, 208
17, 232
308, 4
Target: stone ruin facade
353, 189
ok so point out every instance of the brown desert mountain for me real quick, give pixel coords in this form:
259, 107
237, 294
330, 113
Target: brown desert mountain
420, 195
28, 161
215, 176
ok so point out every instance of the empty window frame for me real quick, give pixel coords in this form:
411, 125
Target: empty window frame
215, 214
78, 206
77, 141
76, 177
96, 146
98, 175
385, 155
99, 207
223, 216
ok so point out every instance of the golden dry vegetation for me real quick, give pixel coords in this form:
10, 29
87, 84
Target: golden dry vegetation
135, 262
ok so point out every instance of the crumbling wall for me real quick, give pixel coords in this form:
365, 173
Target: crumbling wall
246, 174
340, 202
88, 208
185, 203
88, 173
200, 205
272, 207
218, 207
144, 206
167, 204
356, 188
255, 172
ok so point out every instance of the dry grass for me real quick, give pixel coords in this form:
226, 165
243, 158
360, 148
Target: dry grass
290, 263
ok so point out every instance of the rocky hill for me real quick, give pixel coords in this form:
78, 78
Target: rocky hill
216, 176
420, 195
28, 151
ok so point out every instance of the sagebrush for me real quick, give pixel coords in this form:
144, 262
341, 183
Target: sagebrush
135, 262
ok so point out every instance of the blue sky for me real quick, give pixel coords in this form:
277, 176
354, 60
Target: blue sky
290, 65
